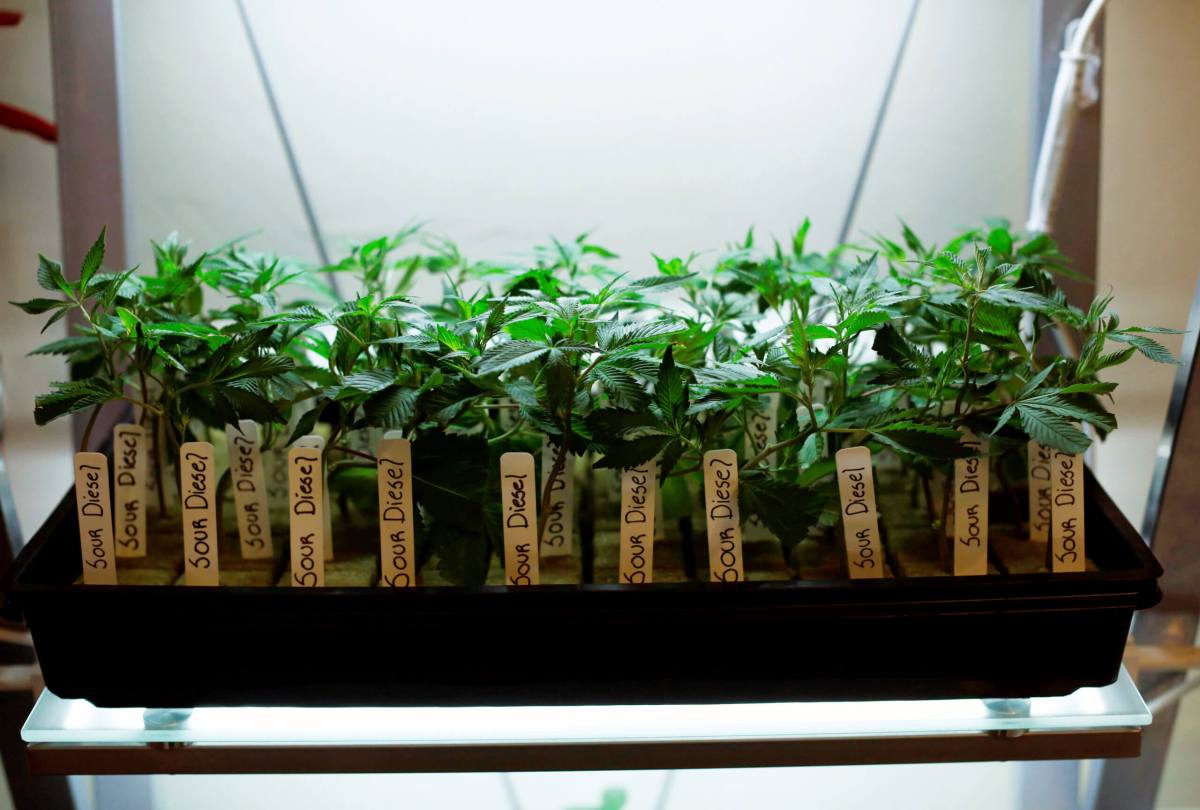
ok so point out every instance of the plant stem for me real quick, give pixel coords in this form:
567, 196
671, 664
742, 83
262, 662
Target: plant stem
769, 451
223, 485
145, 406
560, 458
349, 464
520, 423
354, 452
556, 470
156, 424
145, 392
965, 362
1014, 504
87, 431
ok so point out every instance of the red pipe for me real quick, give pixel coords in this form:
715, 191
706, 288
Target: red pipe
15, 118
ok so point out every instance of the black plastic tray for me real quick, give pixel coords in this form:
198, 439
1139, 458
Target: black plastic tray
943, 637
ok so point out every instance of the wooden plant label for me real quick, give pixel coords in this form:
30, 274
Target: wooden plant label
316, 442
971, 509
306, 515
761, 424
639, 498
396, 551
249, 489
197, 492
1041, 499
724, 520
860, 520
130, 463
519, 495
95, 520
560, 522
1067, 542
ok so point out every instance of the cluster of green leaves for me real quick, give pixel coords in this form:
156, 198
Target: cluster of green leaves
898, 346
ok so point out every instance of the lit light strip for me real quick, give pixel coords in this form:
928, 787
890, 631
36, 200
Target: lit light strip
65, 721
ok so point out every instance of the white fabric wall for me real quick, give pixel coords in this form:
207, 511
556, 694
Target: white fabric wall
663, 127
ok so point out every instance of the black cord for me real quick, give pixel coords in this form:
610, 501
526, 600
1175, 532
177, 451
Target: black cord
310, 215
852, 208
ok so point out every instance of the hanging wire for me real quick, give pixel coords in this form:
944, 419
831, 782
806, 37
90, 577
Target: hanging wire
510, 791
664, 791
310, 216
873, 140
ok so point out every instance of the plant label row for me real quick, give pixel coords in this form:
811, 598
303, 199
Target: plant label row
725, 563
1066, 541
1040, 465
396, 548
129, 467
316, 442
971, 509
761, 429
197, 491
860, 518
95, 519
560, 515
518, 492
249, 490
306, 514
639, 500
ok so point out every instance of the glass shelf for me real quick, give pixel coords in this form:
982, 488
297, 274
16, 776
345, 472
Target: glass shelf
1093, 722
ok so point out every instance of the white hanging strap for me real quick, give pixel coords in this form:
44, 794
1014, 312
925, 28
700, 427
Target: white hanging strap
1075, 88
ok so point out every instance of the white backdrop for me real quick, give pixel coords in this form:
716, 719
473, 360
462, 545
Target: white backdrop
665, 127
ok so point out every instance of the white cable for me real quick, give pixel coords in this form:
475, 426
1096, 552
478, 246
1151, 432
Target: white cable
1171, 696
1074, 89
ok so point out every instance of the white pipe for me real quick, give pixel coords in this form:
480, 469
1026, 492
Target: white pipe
1068, 99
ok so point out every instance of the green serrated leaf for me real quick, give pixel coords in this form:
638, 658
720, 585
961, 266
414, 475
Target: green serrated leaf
36, 306
1149, 347
93, 259
305, 424
1089, 388
787, 510
71, 397
391, 408
624, 455
68, 345
862, 321
1047, 428
918, 439
511, 354
614, 335
50, 276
